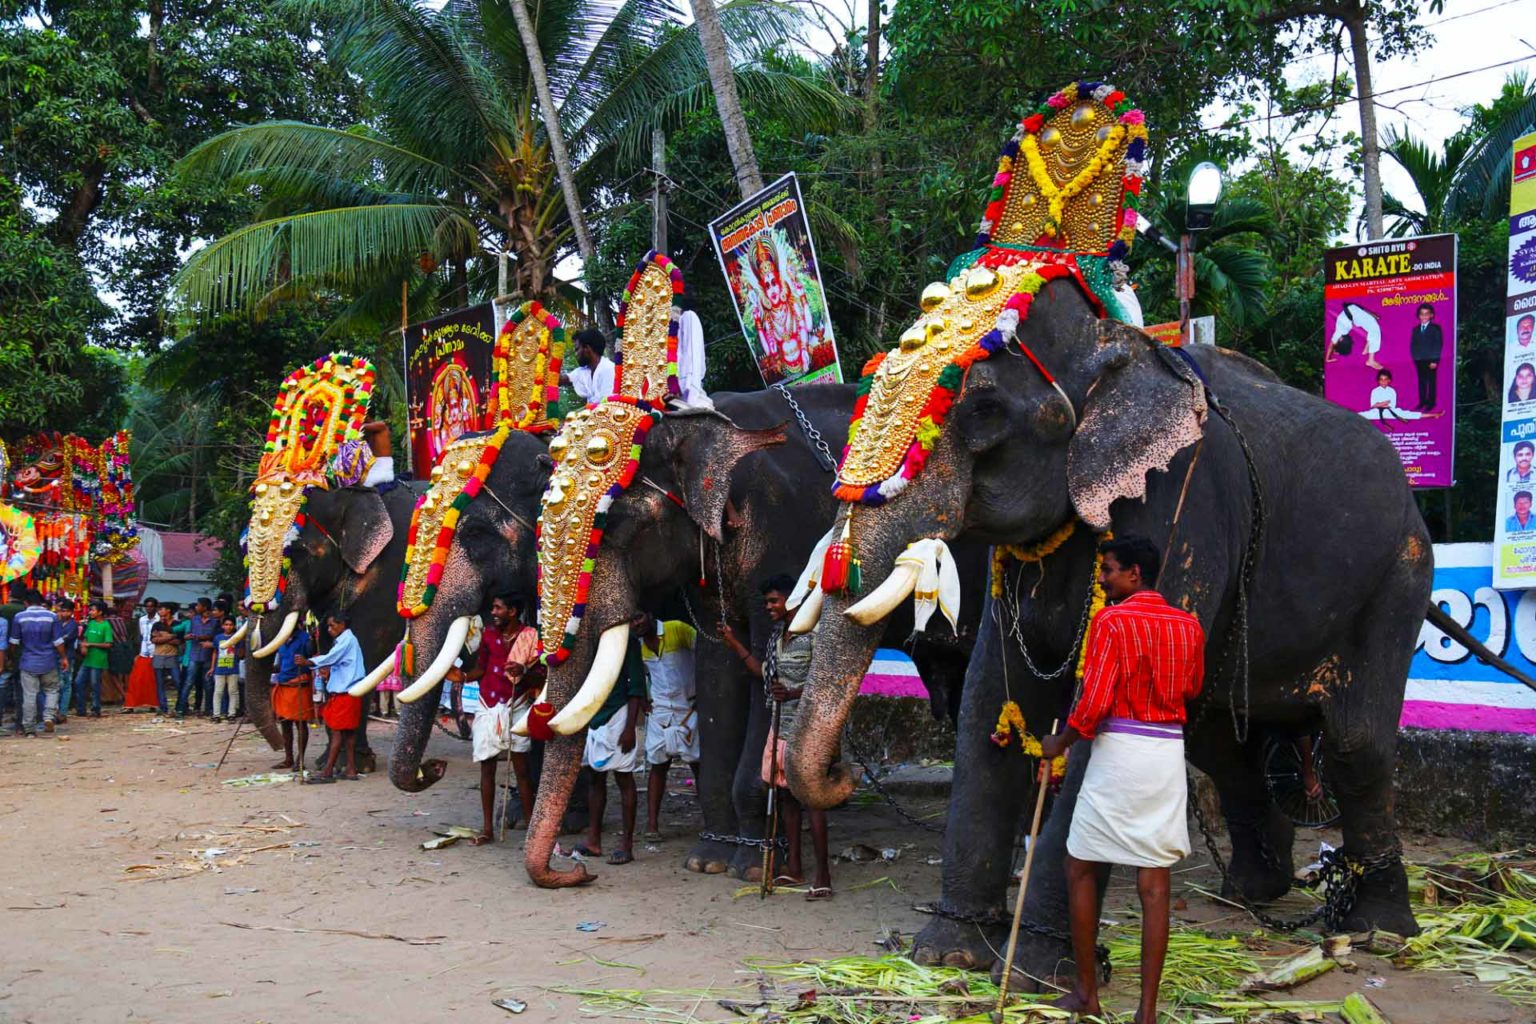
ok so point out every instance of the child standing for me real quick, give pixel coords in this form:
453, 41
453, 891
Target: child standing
226, 674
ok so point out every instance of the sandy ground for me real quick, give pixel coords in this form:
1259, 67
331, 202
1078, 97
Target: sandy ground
322, 904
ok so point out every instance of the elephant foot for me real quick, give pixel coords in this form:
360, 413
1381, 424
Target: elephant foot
1381, 902
1041, 963
746, 863
367, 763
958, 944
709, 857
1262, 866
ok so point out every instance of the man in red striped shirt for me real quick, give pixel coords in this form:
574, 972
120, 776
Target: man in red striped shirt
1145, 660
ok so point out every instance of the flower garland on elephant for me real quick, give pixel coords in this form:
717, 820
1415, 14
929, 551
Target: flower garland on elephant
1010, 718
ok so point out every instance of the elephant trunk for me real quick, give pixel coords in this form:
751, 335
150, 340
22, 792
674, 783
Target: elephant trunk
258, 691
562, 764
409, 769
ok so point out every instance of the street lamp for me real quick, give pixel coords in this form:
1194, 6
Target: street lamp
1204, 191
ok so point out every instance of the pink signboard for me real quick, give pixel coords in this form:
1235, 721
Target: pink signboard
1390, 333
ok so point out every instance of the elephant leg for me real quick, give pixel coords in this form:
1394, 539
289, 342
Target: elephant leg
367, 761
722, 709
1359, 750
1261, 866
749, 795
987, 795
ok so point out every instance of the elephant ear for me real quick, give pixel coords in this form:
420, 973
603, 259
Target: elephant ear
706, 453
365, 530
1138, 414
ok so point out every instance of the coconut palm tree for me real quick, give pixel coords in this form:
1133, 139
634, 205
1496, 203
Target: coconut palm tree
454, 161
1232, 272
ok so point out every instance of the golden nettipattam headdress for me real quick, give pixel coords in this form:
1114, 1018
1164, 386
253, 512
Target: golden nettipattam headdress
645, 366
526, 367
318, 407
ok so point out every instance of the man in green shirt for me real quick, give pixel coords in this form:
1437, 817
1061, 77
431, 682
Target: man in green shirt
612, 746
94, 645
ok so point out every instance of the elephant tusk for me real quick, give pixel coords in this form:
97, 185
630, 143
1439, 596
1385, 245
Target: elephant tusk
809, 614
606, 665
370, 682
239, 634
425, 683
255, 633
901, 582
290, 623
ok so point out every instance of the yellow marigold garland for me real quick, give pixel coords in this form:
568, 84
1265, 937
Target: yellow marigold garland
1030, 553
1010, 721
1056, 198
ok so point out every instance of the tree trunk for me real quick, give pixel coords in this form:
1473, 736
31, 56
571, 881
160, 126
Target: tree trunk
1370, 149
723, 78
552, 126
872, 69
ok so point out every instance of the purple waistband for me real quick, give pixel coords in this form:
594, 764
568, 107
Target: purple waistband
1157, 730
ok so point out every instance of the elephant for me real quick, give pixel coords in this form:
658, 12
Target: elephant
662, 536
1287, 527
347, 557
492, 553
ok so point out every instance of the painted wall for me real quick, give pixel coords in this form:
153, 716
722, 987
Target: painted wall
1448, 688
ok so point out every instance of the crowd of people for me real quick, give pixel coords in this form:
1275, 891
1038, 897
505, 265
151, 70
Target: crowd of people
56, 662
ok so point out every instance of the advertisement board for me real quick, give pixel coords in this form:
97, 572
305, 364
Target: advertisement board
1514, 521
1390, 333
769, 260
448, 380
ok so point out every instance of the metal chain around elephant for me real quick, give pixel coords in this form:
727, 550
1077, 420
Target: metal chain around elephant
874, 781
1339, 876
1016, 631
782, 842
824, 453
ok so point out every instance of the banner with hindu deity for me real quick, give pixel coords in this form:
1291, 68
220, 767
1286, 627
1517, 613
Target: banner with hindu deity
1390, 333
769, 260
1514, 519
448, 380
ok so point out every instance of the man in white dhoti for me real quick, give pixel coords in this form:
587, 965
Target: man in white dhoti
672, 726
1145, 660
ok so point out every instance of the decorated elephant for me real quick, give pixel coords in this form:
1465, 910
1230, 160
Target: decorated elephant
328, 526
346, 557
489, 553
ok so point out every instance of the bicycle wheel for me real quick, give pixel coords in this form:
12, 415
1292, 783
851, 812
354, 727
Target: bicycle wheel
1282, 776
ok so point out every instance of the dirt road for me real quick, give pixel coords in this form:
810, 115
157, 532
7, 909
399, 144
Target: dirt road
138, 887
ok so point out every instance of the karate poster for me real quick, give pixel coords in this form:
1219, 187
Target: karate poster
448, 380
1514, 521
1389, 331
769, 260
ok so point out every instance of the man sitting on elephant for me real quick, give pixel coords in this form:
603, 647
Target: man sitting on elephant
1145, 661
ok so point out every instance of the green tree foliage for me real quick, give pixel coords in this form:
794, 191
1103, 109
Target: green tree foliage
453, 154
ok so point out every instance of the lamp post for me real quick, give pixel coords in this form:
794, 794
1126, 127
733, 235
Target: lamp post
1204, 191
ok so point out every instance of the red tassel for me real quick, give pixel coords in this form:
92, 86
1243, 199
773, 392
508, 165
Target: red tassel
538, 722
834, 569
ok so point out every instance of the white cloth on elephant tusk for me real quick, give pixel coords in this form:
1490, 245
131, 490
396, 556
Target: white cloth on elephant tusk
938, 582
810, 576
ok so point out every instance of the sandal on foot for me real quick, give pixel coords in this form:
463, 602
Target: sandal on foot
652, 837
319, 780
586, 851
482, 839
788, 880
819, 892
620, 857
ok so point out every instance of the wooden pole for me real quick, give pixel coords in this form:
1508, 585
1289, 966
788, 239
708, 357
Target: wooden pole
1018, 906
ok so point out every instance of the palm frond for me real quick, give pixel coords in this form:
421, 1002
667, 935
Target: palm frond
1233, 282
1482, 177
285, 151
341, 247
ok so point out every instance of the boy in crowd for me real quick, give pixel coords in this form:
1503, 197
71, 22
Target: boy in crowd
292, 697
226, 674
672, 727
166, 644
612, 746
95, 644
201, 630
64, 608
784, 673
341, 667
507, 649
